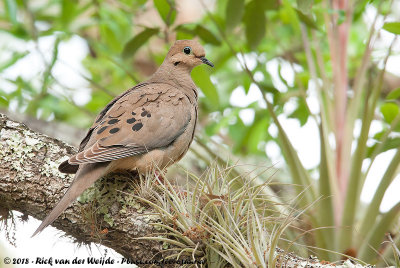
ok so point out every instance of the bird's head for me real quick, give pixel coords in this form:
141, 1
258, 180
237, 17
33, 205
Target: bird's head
187, 54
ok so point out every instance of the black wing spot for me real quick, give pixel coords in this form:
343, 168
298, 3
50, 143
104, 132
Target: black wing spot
137, 127
110, 116
133, 113
131, 120
148, 115
114, 130
144, 113
109, 105
113, 121
102, 129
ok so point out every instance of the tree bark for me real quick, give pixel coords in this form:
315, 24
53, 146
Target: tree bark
106, 214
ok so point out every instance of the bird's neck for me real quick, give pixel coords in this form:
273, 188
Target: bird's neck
176, 76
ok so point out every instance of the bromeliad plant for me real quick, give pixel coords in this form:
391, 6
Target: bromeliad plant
210, 220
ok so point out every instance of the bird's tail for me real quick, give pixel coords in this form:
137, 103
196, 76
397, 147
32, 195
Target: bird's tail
84, 178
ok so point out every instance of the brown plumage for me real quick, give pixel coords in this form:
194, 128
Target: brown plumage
150, 125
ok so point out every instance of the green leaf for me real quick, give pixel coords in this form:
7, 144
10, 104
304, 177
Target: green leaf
255, 22
389, 111
186, 28
237, 132
385, 7
3, 100
202, 79
301, 112
359, 9
307, 19
305, 5
268, 87
183, 35
390, 143
257, 133
192, 29
392, 27
246, 83
136, 42
167, 10
109, 36
234, 13
394, 94
68, 8
207, 36
11, 9
271, 4
21, 32
185, 31
16, 56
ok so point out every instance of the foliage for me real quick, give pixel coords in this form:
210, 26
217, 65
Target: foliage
292, 53
216, 222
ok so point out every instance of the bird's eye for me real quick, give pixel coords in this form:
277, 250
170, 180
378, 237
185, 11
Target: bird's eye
187, 50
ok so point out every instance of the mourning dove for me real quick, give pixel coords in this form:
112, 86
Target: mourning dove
148, 126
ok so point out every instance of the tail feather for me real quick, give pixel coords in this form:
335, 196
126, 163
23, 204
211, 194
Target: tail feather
84, 178
66, 167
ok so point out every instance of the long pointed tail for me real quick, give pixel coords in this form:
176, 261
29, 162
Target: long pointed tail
84, 178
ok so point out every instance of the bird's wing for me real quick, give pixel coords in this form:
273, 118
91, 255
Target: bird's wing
150, 117
65, 166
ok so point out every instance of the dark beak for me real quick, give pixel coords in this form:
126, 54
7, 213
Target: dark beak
205, 61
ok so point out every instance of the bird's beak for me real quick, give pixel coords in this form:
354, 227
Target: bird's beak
205, 61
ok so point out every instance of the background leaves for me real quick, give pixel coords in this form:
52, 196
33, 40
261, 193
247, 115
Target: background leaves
167, 10
137, 41
255, 23
393, 27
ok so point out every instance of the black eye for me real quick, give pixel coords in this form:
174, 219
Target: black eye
187, 50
